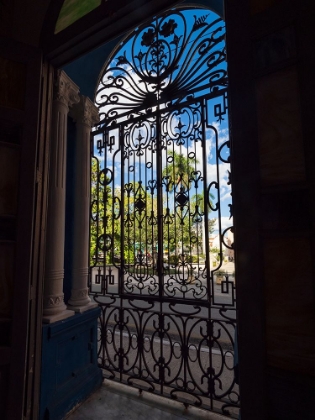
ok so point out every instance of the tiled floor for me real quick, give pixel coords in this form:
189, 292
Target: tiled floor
119, 402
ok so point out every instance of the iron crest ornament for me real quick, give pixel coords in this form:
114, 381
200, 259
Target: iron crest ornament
165, 62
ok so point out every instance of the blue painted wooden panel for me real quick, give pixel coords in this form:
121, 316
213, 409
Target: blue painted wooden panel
69, 364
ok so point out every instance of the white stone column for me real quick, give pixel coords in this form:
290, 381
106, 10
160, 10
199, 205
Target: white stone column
65, 95
85, 114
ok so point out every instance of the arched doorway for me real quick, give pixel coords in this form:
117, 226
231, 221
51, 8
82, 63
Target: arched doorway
161, 234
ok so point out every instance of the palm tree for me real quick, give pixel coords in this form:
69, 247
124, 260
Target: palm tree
180, 169
181, 176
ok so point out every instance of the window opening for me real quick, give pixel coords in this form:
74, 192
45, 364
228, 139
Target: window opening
161, 231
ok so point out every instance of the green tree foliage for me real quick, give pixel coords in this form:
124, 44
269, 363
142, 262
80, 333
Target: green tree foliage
180, 169
136, 227
140, 222
105, 227
97, 211
185, 225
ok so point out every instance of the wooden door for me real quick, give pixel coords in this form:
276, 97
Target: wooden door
25, 99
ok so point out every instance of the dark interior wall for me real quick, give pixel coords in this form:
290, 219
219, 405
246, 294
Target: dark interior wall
274, 203
23, 20
20, 167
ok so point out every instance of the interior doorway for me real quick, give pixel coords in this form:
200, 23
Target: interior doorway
161, 219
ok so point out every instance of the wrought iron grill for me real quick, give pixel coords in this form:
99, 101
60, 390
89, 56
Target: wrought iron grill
160, 190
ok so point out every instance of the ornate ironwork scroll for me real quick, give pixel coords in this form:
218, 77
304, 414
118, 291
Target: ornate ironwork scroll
160, 213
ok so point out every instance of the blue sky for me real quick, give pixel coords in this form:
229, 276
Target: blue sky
125, 64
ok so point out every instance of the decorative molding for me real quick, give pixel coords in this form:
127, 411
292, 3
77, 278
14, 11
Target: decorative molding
80, 272
55, 308
56, 274
79, 299
52, 301
85, 112
66, 91
79, 294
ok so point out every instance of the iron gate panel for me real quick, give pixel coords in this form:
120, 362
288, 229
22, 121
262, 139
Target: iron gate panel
158, 158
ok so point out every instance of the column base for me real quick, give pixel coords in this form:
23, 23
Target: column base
49, 319
81, 309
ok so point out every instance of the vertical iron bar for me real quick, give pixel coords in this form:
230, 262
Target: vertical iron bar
90, 219
160, 269
160, 209
203, 105
104, 201
122, 257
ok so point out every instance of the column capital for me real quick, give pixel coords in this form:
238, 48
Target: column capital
66, 91
85, 112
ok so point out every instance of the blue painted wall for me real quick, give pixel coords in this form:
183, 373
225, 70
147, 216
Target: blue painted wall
85, 70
